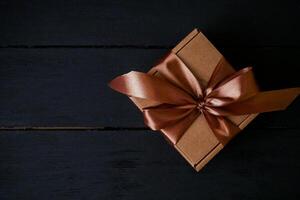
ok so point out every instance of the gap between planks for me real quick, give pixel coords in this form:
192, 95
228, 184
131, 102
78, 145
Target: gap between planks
86, 46
67, 128
87, 128
131, 46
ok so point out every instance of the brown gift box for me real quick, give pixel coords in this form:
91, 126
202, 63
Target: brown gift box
199, 145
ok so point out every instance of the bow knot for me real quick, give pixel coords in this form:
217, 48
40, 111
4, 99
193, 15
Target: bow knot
201, 105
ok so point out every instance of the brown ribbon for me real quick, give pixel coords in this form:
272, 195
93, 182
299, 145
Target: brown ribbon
181, 99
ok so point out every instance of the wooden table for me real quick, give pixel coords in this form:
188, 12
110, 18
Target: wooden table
65, 135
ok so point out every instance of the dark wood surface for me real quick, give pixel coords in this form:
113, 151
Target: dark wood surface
259, 164
65, 135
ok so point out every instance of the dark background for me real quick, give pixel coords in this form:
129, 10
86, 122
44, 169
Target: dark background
65, 135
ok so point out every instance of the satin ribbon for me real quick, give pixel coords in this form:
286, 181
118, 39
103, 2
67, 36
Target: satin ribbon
180, 98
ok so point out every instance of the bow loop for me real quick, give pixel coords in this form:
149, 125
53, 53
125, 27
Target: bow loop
162, 116
236, 87
175, 71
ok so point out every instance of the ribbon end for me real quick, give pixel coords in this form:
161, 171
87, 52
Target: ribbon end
114, 84
119, 83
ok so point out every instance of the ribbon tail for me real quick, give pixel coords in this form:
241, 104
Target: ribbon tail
268, 101
223, 129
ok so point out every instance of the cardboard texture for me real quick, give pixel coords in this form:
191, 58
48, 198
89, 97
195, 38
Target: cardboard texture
198, 145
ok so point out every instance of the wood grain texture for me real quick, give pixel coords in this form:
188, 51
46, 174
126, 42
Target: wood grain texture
144, 23
68, 87
260, 164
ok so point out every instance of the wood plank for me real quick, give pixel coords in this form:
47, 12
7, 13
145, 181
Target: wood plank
140, 23
260, 164
68, 87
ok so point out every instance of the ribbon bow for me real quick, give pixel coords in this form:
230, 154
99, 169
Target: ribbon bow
180, 98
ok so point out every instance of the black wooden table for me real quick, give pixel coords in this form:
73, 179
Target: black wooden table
66, 135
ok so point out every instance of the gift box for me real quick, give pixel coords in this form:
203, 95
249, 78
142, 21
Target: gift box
199, 145
198, 142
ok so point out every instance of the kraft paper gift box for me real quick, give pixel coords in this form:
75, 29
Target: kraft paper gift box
200, 91
199, 145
